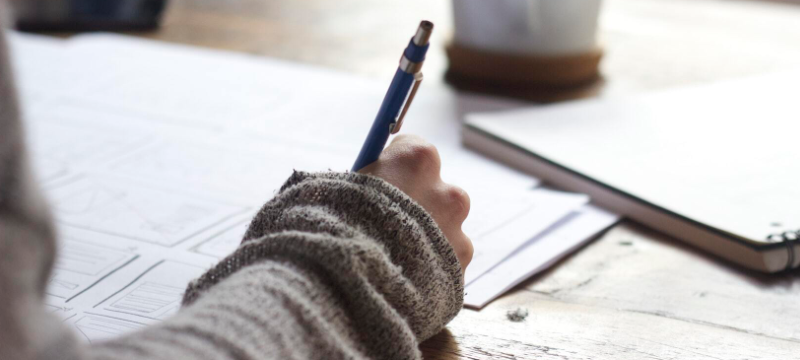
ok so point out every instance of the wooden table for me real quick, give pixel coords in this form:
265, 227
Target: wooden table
632, 293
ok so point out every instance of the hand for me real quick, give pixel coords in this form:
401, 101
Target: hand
412, 165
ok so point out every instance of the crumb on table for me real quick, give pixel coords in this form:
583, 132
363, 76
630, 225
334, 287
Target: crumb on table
517, 315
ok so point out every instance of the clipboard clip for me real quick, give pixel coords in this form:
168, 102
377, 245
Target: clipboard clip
394, 128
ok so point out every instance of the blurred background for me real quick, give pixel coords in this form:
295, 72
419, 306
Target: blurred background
647, 44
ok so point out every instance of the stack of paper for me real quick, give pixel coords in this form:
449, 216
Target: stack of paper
154, 157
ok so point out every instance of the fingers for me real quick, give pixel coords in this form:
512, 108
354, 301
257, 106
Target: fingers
409, 163
457, 201
413, 165
463, 248
414, 154
453, 205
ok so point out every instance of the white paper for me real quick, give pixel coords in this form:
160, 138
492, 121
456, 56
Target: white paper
503, 225
539, 254
136, 211
157, 293
225, 242
155, 157
80, 265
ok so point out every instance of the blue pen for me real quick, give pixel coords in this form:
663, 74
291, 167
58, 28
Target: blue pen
398, 98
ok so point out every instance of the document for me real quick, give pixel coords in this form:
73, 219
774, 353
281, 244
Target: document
81, 265
539, 253
109, 205
155, 158
503, 225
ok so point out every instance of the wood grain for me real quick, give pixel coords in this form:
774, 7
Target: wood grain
633, 293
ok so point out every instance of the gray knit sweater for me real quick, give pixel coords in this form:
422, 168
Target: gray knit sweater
336, 266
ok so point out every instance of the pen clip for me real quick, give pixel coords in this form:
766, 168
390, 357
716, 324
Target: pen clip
394, 128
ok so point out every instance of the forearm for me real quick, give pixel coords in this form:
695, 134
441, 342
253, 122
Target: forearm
387, 274
267, 310
337, 266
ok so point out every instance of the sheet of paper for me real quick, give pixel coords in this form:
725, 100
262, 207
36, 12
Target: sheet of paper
507, 222
541, 252
155, 157
38, 62
98, 279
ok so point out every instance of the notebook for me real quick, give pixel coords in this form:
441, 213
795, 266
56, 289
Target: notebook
717, 166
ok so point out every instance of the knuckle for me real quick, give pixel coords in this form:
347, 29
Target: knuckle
422, 156
465, 252
458, 200
406, 138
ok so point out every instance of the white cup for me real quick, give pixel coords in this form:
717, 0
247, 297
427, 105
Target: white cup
531, 27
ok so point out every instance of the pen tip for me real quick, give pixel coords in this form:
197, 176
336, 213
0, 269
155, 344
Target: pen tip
423, 33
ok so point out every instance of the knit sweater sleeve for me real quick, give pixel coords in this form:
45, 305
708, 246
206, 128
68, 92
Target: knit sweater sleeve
336, 266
